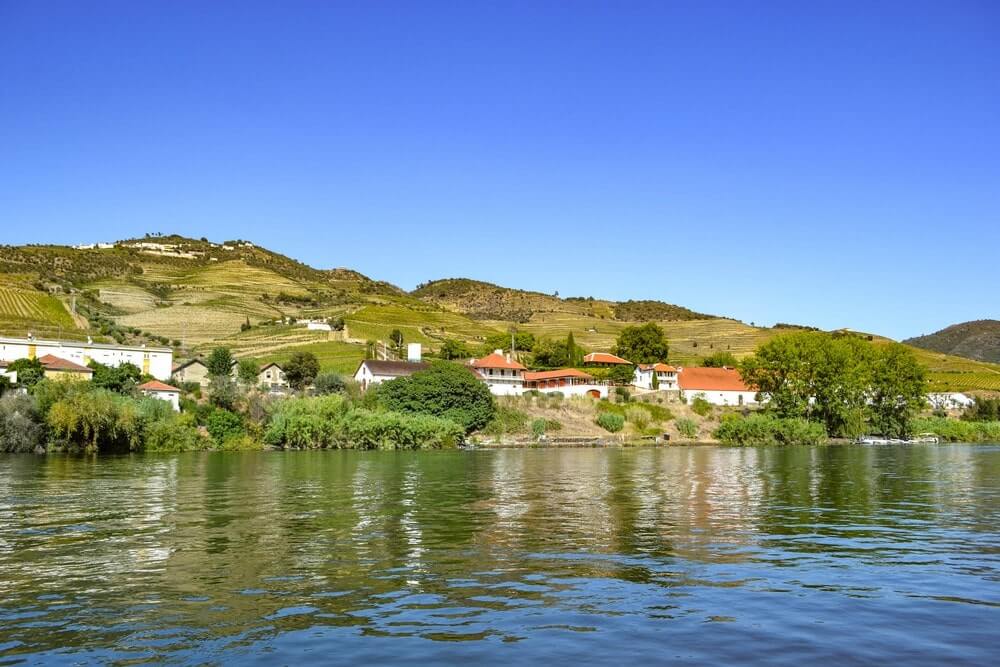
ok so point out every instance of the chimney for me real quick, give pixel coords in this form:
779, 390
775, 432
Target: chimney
500, 352
413, 352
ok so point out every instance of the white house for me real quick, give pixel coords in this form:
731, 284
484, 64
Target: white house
155, 361
719, 386
666, 376
502, 375
271, 376
318, 326
163, 392
375, 371
950, 400
567, 381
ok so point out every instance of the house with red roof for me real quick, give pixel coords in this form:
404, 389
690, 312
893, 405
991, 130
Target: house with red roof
163, 392
719, 386
567, 381
666, 377
605, 360
57, 368
504, 376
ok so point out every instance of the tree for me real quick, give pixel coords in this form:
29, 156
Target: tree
655, 384
396, 337
574, 353
445, 390
621, 374
454, 349
643, 344
841, 380
248, 372
501, 341
220, 362
548, 353
121, 379
223, 392
720, 360
301, 369
29, 371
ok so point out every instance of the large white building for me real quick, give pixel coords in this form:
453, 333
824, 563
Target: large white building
666, 376
719, 386
375, 371
566, 381
155, 361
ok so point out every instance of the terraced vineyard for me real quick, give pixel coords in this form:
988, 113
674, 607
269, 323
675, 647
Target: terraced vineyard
24, 309
427, 325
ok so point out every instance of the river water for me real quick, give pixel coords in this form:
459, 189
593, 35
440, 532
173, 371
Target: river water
685, 555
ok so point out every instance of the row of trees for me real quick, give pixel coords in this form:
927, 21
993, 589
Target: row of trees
848, 384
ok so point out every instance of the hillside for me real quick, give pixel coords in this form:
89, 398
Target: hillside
486, 301
195, 294
979, 340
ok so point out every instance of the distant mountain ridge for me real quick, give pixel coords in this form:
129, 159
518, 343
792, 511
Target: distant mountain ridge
978, 339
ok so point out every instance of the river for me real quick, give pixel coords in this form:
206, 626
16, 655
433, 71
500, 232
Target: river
679, 555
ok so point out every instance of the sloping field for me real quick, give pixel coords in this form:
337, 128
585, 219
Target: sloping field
334, 356
950, 373
26, 309
417, 326
269, 340
129, 299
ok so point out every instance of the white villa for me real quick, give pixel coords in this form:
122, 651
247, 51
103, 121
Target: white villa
666, 376
502, 375
375, 371
719, 386
155, 361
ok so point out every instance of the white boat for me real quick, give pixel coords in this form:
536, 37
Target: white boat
922, 439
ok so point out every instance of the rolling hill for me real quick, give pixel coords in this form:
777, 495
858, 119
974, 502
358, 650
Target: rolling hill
978, 340
195, 294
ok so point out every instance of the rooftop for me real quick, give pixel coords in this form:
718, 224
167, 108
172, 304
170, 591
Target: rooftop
81, 343
658, 367
496, 360
556, 374
54, 363
604, 358
712, 379
155, 385
379, 367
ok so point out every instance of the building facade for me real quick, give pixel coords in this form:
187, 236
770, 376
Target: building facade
155, 361
718, 386
374, 371
666, 377
567, 381
502, 375
162, 392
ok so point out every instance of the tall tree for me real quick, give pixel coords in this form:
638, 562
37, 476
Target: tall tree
396, 336
301, 369
248, 372
220, 362
642, 344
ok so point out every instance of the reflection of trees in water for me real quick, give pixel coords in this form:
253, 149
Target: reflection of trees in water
241, 546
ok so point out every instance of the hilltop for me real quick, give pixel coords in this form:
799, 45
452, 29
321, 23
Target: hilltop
979, 340
194, 294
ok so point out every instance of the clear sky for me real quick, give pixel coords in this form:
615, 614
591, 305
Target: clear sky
826, 163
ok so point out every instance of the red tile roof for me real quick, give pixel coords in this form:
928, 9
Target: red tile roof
496, 361
658, 367
54, 363
604, 358
156, 385
555, 375
711, 379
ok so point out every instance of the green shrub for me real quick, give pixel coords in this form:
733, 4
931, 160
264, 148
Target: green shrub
538, 428
610, 421
760, 429
305, 423
700, 406
638, 417
955, 430
553, 425
174, 434
240, 443
223, 425
506, 420
687, 428
445, 390
21, 425
362, 429
329, 383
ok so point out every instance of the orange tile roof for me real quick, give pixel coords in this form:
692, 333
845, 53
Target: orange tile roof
496, 361
557, 374
658, 367
712, 379
54, 363
604, 358
156, 385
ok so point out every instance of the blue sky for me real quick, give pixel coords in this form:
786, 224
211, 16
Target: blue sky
826, 163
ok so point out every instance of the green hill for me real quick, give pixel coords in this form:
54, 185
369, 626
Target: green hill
979, 340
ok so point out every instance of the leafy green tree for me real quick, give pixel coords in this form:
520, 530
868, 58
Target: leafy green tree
621, 374
396, 338
445, 390
121, 379
22, 427
643, 344
248, 372
548, 353
220, 362
29, 371
523, 341
455, 349
571, 351
720, 360
5, 384
223, 392
96, 420
301, 369
655, 384
223, 425
897, 390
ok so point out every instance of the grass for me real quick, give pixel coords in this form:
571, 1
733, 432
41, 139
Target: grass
428, 326
335, 356
23, 309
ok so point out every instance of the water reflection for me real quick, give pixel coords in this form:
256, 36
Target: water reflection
252, 556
